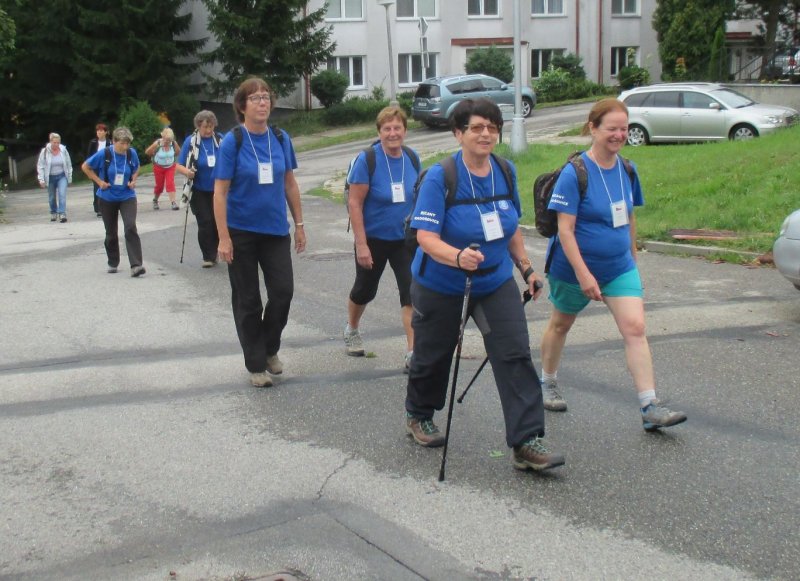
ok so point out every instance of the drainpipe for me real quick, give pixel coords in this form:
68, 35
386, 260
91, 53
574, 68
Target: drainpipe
306, 76
600, 42
577, 27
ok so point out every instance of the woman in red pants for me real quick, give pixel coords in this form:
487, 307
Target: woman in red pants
164, 152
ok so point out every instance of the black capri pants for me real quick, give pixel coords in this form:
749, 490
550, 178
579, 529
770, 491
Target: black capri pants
399, 257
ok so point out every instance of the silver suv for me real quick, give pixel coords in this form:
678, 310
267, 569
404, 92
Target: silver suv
698, 112
436, 98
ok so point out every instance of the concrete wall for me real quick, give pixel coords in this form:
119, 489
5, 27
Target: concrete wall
786, 95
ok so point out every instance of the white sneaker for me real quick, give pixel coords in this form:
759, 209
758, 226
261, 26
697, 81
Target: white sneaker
260, 379
354, 346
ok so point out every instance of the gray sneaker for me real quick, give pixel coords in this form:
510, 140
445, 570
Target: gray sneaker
354, 346
534, 455
274, 365
553, 400
656, 416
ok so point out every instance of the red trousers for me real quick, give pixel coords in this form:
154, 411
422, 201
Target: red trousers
165, 176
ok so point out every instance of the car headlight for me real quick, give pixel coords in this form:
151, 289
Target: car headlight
773, 119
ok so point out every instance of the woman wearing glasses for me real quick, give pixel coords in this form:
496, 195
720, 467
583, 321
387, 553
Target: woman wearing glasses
484, 210
254, 183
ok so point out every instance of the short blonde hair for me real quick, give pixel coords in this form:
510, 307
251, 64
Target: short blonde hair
389, 113
168, 134
53, 136
122, 134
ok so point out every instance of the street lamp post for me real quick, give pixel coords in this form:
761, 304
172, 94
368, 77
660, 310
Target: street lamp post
392, 97
518, 141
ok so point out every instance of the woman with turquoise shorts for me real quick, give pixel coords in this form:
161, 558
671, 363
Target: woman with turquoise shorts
594, 259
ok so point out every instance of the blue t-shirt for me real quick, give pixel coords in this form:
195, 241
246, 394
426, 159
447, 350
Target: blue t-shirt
461, 225
118, 165
383, 218
204, 175
605, 250
252, 206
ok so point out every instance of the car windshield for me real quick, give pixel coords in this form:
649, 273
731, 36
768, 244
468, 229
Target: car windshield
732, 99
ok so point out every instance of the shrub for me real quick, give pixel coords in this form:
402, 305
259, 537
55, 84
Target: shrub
353, 111
553, 85
633, 76
491, 61
570, 63
406, 100
329, 87
143, 123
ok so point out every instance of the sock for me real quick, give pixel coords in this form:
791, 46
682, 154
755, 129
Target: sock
549, 376
645, 397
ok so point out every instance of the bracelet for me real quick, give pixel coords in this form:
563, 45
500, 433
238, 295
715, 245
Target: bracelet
458, 256
527, 274
297, 224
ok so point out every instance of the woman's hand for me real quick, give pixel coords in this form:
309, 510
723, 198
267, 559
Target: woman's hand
590, 287
535, 285
299, 239
364, 256
225, 250
469, 259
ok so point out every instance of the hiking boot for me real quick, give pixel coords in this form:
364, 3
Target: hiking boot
656, 416
274, 365
175, 206
155, 203
137, 271
424, 431
407, 363
354, 346
260, 379
63, 218
534, 455
111, 269
552, 399
53, 217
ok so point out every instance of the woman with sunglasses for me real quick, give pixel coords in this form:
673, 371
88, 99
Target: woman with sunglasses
485, 210
254, 183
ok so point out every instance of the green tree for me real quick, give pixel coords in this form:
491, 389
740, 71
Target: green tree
272, 39
718, 63
8, 32
329, 87
682, 31
570, 63
491, 61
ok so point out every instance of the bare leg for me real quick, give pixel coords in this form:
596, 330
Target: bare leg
628, 313
354, 313
554, 338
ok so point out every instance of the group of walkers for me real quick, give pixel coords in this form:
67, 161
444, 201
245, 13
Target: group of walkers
465, 214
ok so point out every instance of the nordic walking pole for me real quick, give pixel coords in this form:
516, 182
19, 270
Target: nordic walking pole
464, 308
185, 220
526, 296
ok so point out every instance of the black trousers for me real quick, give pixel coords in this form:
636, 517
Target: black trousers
96, 201
260, 330
202, 205
500, 318
399, 256
111, 212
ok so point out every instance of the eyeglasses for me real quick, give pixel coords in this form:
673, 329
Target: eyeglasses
259, 98
478, 128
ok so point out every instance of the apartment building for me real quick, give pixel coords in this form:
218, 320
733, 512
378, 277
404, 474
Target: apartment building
600, 31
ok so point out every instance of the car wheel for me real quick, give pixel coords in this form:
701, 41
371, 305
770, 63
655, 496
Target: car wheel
527, 107
743, 132
637, 135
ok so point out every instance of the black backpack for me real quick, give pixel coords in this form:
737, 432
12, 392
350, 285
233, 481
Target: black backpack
547, 220
369, 153
107, 161
451, 187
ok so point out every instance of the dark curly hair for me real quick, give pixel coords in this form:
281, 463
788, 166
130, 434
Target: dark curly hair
480, 107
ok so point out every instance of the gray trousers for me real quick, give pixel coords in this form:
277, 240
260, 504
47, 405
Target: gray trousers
500, 318
110, 211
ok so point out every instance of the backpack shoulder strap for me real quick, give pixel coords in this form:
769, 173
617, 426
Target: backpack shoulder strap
237, 136
412, 155
580, 171
626, 163
278, 133
506, 167
369, 157
450, 179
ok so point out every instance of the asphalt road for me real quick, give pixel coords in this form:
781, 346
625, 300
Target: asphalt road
133, 446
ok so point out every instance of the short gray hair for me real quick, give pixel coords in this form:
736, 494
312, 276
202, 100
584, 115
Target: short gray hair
122, 134
52, 135
205, 116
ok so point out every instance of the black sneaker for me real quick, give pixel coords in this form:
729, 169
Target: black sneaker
534, 455
155, 203
424, 431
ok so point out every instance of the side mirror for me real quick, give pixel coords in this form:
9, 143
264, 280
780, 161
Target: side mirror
714, 105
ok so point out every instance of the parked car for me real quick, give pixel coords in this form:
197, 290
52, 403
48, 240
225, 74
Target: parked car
786, 250
436, 97
674, 112
788, 64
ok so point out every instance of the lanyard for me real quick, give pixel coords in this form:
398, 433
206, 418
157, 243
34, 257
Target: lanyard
116, 170
621, 183
472, 186
389, 169
213, 145
269, 143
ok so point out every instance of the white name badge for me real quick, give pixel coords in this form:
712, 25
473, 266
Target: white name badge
265, 173
119, 179
398, 193
492, 228
619, 214
212, 160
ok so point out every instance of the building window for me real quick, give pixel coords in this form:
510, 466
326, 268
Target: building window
625, 7
350, 66
547, 7
411, 69
483, 8
540, 59
345, 10
622, 56
416, 8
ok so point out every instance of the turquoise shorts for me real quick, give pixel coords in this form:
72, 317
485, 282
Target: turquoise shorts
569, 298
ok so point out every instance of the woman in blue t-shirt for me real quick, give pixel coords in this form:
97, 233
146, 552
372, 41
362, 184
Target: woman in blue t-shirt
114, 170
254, 183
197, 161
378, 204
594, 259
484, 210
